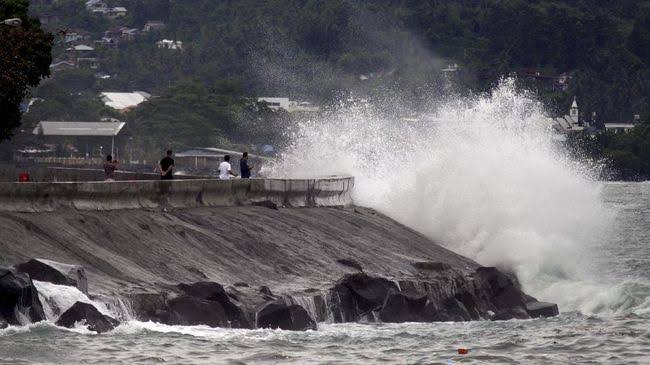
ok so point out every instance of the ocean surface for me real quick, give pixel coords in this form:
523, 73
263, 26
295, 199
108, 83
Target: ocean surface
614, 330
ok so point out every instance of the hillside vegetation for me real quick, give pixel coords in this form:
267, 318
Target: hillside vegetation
323, 50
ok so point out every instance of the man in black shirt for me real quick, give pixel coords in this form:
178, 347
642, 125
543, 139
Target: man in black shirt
167, 167
244, 167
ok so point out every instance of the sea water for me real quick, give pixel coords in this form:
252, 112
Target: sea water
617, 331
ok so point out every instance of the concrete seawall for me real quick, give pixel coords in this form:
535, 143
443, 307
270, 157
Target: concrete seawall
156, 194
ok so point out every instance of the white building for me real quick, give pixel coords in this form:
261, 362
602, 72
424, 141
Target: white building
124, 101
619, 127
290, 106
169, 44
153, 26
116, 12
96, 4
72, 37
450, 68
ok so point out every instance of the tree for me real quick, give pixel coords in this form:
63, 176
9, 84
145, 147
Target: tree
25, 57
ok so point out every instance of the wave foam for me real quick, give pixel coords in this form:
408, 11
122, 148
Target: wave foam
482, 176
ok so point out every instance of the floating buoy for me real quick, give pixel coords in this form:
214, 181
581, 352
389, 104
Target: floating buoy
23, 177
463, 351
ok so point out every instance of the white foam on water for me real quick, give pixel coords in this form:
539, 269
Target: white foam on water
251, 335
483, 176
56, 299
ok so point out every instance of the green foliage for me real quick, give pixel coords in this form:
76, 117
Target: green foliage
56, 103
190, 114
316, 50
24, 61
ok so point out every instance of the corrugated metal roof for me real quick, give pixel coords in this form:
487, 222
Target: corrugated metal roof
81, 47
121, 101
49, 128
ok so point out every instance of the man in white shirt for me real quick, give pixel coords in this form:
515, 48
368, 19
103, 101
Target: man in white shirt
225, 170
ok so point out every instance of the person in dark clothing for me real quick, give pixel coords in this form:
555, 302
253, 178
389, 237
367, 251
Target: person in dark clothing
167, 167
109, 168
244, 167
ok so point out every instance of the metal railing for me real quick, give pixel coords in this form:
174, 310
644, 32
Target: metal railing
66, 161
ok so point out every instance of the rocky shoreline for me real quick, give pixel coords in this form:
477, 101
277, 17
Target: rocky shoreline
488, 294
342, 265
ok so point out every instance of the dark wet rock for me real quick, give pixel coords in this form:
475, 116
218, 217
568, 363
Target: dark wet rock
343, 306
266, 204
55, 273
357, 295
214, 292
452, 310
18, 295
150, 306
431, 266
278, 314
3, 324
511, 313
204, 290
368, 292
502, 290
350, 263
88, 315
542, 309
400, 308
190, 311
469, 302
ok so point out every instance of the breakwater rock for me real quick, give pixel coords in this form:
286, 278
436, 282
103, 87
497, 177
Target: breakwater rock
253, 267
213, 253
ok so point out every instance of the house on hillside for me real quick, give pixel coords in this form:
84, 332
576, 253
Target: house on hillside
124, 102
129, 35
95, 4
170, 44
88, 62
275, 103
621, 127
72, 37
106, 42
552, 82
116, 12
153, 26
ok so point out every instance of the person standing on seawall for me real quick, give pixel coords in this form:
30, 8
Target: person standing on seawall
244, 167
225, 170
109, 168
167, 167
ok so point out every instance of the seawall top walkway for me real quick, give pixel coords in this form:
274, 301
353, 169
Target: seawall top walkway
156, 194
